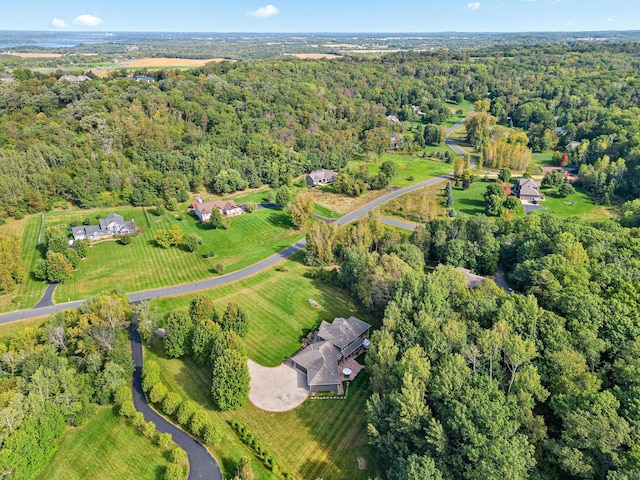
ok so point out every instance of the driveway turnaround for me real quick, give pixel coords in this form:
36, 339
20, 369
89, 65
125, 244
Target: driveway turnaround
202, 466
276, 389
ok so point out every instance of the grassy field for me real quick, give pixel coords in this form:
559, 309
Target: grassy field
279, 313
465, 106
277, 303
319, 439
470, 201
104, 449
577, 204
30, 290
8, 330
409, 166
142, 264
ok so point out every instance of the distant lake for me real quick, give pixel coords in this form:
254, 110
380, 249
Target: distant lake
40, 45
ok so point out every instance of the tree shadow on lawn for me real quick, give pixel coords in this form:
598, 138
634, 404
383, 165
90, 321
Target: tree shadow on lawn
472, 205
281, 220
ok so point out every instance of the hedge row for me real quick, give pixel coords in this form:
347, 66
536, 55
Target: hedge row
263, 455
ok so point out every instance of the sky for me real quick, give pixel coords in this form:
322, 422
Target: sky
290, 16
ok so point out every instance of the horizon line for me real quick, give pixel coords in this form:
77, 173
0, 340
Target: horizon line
443, 32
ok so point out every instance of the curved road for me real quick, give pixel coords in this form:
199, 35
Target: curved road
208, 283
202, 466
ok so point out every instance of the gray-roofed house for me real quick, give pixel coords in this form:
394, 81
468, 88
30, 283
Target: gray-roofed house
333, 343
74, 79
114, 224
527, 189
7, 79
321, 177
572, 145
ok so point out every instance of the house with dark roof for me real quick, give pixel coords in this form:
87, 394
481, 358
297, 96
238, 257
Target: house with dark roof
114, 224
228, 208
333, 343
321, 177
527, 189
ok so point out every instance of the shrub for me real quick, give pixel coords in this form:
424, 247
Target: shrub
219, 268
164, 440
185, 412
175, 472
171, 403
125, 239
251, 207
138, 420
199, 420
158, 393
127, 409
18, 215
150, 375
149, 429
210, 434
209, 254
177, 455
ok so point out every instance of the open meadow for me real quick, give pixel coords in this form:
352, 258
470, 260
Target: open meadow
104, 449
142, 264
319, 439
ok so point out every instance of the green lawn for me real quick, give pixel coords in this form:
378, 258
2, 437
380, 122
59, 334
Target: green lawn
259, 195
470, 201
320, 439
277, 303
325, 212
577, 204
105, 449
30, 290
410, 166
142, 265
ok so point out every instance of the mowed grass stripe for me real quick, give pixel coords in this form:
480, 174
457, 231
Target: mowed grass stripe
319, 439
104, 449
192, 381
142, 265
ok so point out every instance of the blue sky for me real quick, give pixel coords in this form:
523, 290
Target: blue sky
320, 16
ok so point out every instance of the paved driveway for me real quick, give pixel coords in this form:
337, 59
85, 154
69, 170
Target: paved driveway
276, 389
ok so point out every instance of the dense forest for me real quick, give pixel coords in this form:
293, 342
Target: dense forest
234, 125
478, 383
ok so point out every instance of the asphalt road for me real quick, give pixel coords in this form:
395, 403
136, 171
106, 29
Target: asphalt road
47, 298
206, 284
202, 466
397, 223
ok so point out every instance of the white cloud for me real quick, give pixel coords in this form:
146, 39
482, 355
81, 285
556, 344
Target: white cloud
473, 5
57, 23
264, 12
87, 21
609, 19
569, 23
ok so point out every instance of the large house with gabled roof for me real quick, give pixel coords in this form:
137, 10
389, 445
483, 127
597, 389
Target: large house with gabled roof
333, 343
114, 224
321, 177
